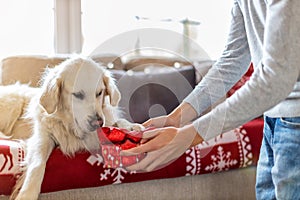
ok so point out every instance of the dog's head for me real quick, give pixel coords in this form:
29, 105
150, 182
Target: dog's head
77, 91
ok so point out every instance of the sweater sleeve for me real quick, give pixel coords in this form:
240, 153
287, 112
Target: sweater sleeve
228, 69
272, 81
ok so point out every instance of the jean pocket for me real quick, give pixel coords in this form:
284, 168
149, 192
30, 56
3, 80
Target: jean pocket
293, 122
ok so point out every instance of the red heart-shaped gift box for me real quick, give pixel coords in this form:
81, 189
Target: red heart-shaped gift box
113, 140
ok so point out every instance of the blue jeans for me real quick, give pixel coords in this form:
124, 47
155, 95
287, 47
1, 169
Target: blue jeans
278, 170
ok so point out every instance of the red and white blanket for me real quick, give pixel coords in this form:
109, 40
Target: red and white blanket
235, 149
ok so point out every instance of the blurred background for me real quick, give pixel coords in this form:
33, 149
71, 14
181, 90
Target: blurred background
40, 27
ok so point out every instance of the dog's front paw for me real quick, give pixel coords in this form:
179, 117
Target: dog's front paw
137, 127
122, 123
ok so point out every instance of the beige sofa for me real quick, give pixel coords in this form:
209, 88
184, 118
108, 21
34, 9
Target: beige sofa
234, 184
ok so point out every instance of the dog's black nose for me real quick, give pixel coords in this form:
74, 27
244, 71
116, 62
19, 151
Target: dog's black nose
100, 120
95, 122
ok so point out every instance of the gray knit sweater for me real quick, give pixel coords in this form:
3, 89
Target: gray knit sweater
266, 33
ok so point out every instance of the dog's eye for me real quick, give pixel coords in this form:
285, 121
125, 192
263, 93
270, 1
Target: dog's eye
98, 94
78, 95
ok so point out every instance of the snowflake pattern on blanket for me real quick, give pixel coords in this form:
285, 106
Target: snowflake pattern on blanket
210, 156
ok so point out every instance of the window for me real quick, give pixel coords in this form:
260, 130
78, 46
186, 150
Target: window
26, 27
102, 20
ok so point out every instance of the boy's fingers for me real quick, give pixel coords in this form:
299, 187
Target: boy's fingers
148, 123
152, 145
150, 134
132, 152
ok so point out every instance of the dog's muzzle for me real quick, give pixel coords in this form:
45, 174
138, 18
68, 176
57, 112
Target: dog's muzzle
95, 122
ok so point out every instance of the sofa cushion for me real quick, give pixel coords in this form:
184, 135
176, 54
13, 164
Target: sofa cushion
153, 93
25, 69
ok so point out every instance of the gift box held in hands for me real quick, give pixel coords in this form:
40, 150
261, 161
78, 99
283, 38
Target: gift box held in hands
113, 140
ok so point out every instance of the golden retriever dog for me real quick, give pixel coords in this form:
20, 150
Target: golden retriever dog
75, 98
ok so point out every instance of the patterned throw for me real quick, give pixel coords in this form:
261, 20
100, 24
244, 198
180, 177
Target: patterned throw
235, 149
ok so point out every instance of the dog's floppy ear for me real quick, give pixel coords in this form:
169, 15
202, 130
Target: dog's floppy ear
50, 94
111, 89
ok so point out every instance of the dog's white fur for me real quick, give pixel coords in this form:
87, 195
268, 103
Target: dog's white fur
74, 99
